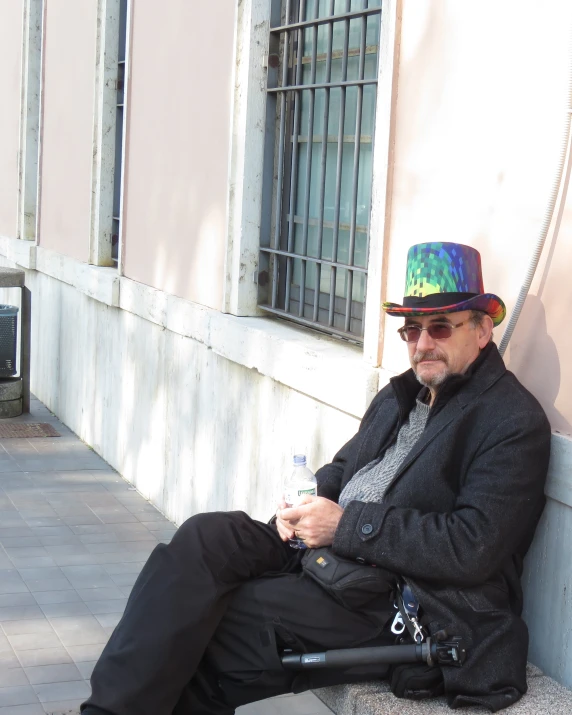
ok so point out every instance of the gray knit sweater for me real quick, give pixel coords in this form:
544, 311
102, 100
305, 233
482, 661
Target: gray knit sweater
371, 482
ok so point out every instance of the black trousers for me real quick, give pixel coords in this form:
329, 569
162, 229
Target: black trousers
206, 620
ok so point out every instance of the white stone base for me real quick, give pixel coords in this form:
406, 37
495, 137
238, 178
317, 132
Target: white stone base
544, 697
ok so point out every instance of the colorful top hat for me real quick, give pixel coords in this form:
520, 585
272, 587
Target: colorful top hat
445, 278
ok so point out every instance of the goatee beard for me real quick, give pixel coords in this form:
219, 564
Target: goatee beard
435, 380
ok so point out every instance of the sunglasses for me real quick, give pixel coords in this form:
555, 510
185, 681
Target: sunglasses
436, 331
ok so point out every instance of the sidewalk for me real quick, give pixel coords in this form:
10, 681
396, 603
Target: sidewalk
73, 537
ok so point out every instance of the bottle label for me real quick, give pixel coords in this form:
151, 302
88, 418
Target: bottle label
294, 493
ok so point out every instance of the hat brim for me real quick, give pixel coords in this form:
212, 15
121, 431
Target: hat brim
487, 302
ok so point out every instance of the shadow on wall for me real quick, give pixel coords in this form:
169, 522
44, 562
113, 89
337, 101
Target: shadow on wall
534, 359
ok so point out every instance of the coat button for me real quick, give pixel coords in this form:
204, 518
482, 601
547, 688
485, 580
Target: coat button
366, 529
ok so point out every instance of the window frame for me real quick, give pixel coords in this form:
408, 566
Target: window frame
105, 126
28, 156
247, 182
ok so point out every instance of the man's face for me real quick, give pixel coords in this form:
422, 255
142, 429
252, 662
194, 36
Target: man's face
434, 360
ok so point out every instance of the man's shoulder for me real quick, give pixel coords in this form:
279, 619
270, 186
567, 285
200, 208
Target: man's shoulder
508, 398
492, 385
510, 388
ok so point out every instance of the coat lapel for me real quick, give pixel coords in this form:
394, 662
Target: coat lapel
434, 427
379, 434
488, 368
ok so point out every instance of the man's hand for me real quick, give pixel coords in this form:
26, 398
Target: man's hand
285, 531
315, 521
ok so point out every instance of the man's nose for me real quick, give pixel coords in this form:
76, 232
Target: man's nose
425, 341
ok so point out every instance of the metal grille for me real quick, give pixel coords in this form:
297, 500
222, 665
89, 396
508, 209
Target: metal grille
8, 340
27, 430
322, 77
120, 110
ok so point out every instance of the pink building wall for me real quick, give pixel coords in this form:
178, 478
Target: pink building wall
482, 97
67, 134
179, 112
481, 102
10, 91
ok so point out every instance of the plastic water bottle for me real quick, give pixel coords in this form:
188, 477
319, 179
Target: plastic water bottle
300, 483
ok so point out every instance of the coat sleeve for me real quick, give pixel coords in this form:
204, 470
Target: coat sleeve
330, 476
495, 513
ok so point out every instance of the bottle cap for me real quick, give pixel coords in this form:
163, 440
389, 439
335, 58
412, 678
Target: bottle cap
299, 460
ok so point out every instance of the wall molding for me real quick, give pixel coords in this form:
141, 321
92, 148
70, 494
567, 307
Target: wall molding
324, 368
97, 282
23, 253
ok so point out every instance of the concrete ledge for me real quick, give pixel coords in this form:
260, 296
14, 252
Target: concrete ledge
21, 252
328, 370
97, 282
545, 696
321, 367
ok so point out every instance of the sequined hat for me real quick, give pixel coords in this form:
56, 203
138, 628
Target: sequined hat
445, 278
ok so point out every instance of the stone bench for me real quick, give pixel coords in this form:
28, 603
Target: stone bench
544, 695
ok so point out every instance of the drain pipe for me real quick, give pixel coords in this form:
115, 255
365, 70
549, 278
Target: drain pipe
546, 222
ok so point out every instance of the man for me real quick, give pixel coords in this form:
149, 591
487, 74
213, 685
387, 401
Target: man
442, 485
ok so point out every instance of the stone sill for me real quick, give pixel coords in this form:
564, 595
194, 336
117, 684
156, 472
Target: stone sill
23, 253
97, 282
326, 369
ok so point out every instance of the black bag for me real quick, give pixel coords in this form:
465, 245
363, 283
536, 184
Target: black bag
352, 584
416, 681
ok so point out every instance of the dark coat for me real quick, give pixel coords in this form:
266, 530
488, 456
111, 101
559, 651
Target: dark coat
458, 517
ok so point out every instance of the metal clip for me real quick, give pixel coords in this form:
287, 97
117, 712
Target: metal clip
398, 627
419, 636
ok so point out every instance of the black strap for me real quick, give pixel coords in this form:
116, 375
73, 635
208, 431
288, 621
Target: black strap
409, 608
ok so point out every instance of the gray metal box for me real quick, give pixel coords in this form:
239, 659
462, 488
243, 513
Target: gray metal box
8, 337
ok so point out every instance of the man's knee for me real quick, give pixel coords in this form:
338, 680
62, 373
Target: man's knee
232, 543
212, 527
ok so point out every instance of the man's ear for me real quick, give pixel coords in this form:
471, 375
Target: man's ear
485, 331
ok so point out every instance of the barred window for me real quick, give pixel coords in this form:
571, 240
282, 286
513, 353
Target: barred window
322, 77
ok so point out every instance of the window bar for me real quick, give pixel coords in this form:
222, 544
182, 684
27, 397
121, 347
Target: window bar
281, 150
311, 259
310, 324
349, 15
338, 193
322, 85
309, 148
360, 228
294, 173
355, 178
323, 162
